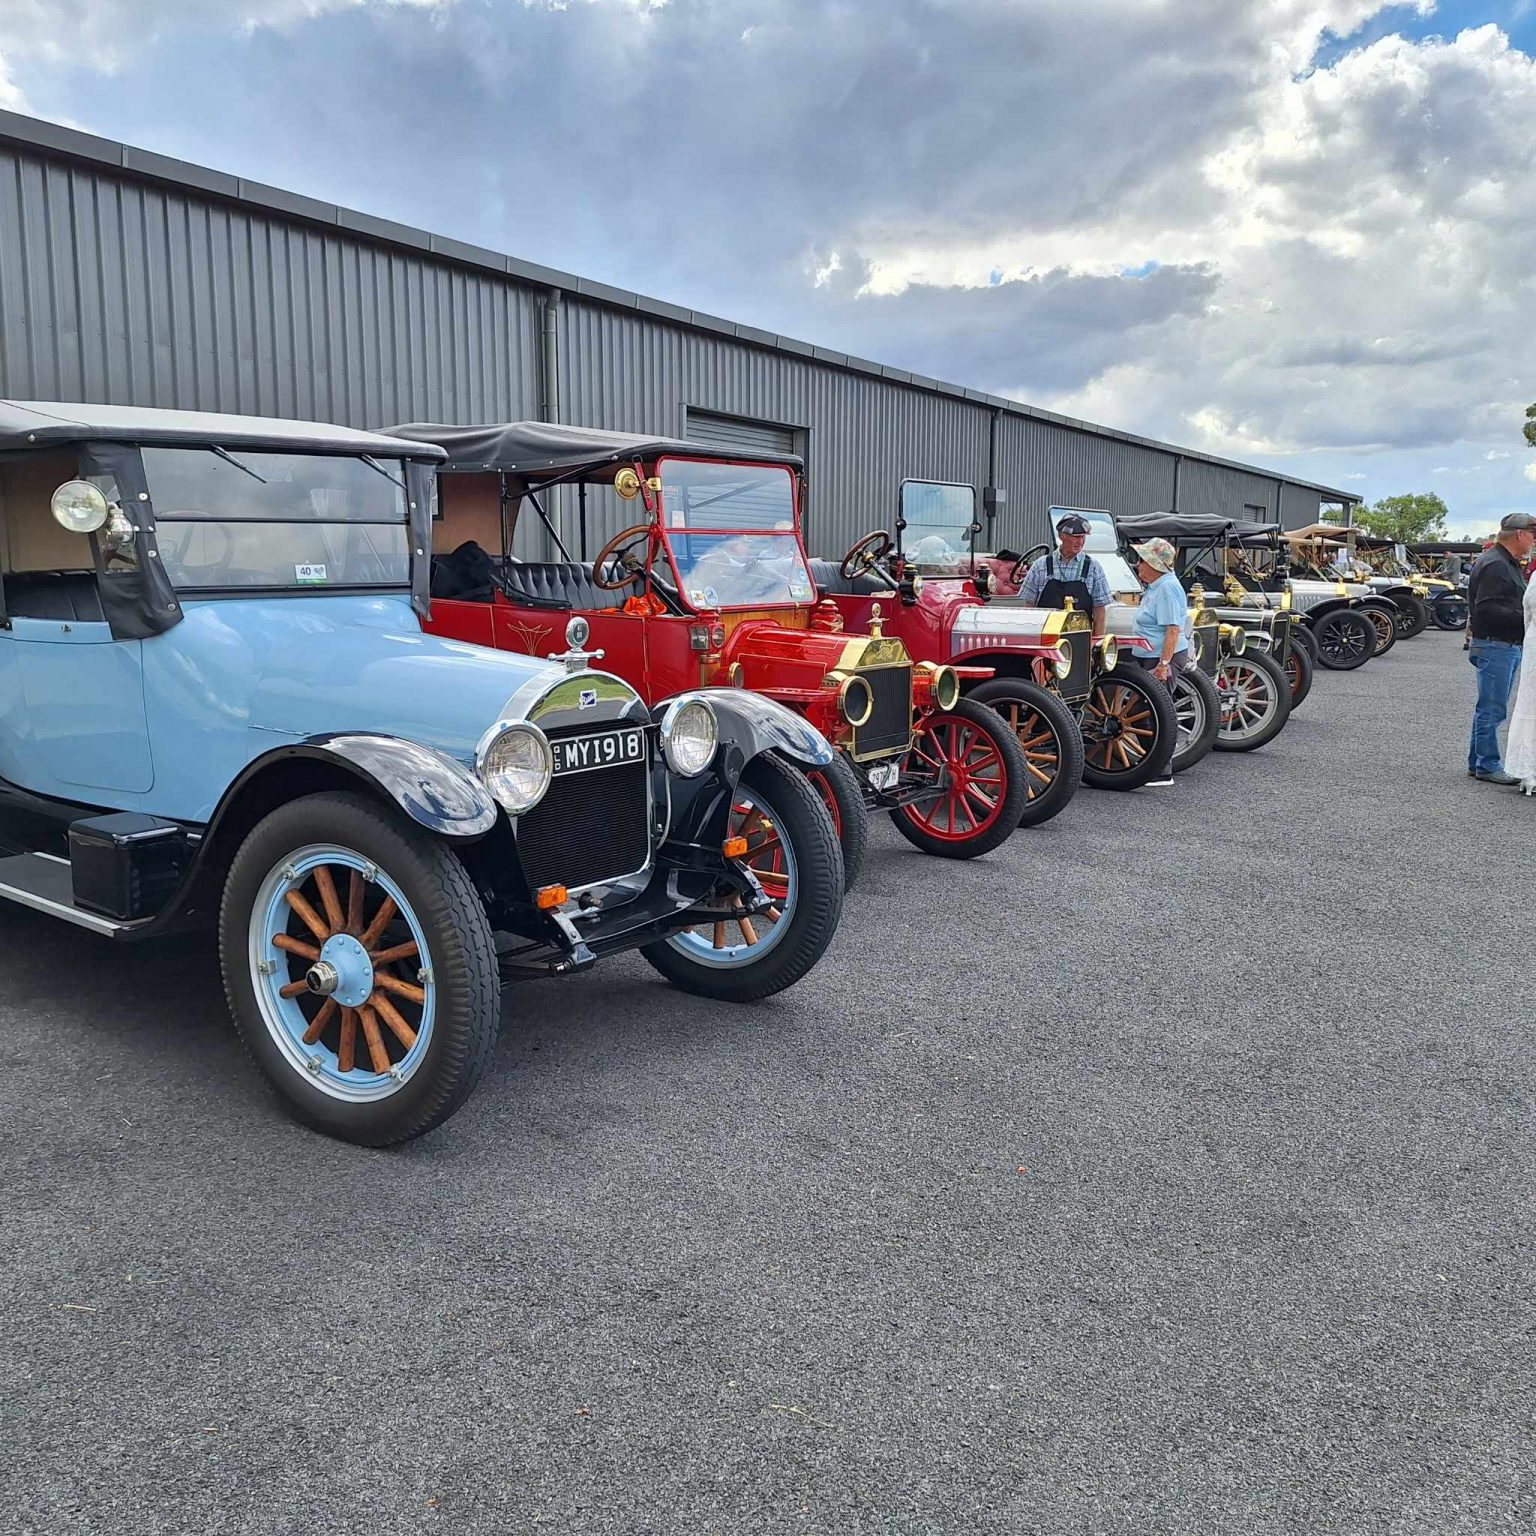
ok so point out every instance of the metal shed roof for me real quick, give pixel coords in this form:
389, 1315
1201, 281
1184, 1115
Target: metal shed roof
54, 138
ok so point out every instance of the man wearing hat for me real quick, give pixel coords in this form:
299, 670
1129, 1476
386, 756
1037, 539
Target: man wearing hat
1496, 625
1163, 622
1069, 572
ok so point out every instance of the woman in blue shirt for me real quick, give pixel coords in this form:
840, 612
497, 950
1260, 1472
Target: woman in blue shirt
1162, 620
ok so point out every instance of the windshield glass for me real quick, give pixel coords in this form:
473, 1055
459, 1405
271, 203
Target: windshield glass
730, 530
1103, 544
939, 523
278, 519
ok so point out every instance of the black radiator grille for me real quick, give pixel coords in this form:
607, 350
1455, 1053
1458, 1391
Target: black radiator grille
588, 827
1280, 641
889, 727
1207, 645
1075, 684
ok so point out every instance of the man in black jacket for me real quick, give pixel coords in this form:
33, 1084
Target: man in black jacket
1496, 624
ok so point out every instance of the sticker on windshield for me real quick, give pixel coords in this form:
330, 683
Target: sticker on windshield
800, 591
711, 598
309, 574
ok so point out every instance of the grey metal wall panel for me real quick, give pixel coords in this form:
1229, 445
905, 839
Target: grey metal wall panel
1041, 466
1222, 492
633, 372
1301, 506
122, 291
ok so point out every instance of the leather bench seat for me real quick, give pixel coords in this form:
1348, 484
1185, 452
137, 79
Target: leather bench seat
67, 595
560, 581
829, 579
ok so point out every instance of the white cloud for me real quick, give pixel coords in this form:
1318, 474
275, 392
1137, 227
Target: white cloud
1530, 470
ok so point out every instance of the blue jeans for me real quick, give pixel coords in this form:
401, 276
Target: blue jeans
1496, 661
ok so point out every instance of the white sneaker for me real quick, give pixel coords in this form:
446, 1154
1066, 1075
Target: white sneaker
1166, 782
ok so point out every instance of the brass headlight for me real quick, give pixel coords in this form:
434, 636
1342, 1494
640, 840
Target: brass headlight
1236, 638
1063, 658
856, 700
946, 687
1109, 653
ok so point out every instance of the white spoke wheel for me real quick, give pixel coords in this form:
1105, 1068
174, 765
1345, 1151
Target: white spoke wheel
359, 966
1197, 703
1256, 702
737, 956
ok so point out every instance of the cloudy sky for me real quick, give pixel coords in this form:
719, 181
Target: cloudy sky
1291, 231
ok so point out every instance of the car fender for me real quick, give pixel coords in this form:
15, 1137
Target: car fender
434, 790
751, 724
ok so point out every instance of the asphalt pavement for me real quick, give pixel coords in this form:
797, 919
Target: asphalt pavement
1170, 1170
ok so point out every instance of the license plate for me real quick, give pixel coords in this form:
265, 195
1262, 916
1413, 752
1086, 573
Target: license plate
885, 776
602, 749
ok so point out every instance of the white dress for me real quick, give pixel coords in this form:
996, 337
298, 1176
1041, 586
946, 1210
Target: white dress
1520, 749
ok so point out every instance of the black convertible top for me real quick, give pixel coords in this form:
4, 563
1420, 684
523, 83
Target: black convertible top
544, 449
1190, 527
37, 423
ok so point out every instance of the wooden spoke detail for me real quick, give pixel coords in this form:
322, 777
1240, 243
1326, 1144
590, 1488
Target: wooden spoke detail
391, 1015
399, 988
376, 1052
404, 951
347, 1051
748, 932
311, 919
329, 899
719, 938
355, 903
381, 920
293, 989
317, 1024
295, 947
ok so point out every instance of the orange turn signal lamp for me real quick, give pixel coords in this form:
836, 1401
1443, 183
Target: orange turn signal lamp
734, 847
551, 896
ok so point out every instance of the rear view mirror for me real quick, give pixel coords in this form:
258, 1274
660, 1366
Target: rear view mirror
79, 506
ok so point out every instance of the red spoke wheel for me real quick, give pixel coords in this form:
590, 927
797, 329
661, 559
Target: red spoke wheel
840, 791
1299, 671
972, 758
1050, 739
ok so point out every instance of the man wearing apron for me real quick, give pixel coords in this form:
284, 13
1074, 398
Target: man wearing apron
1069, 572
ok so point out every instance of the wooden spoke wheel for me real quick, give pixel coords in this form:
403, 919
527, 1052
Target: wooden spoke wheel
1126, 723
346, 983
972, 758
1049, 738
738, 955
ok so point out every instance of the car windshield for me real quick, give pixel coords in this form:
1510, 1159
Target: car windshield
730, 530
1103, 544
939, 522
252, 519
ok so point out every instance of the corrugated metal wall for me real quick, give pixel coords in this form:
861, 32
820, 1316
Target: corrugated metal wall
121, 291
1043, 465
123, 288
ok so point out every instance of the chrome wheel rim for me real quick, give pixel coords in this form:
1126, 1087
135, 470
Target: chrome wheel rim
342, 977
741, 939
1248, 700
1189, 707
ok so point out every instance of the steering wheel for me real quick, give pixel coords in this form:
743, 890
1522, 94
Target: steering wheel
1020, 567
621, 551
869, 552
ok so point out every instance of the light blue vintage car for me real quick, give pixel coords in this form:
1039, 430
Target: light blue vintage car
217, 704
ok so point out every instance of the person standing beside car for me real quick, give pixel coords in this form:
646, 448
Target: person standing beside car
1496, 626
1163, 623
1069, 572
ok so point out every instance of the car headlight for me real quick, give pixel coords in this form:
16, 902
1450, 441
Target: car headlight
688, 736
1109, 653
946, 687
1063, 658
856, 700
515, 764
1237, 639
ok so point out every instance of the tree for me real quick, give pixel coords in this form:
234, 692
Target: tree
1408, 519
1530, 425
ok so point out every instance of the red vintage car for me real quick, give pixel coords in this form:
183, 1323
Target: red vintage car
706, 583
1113, 719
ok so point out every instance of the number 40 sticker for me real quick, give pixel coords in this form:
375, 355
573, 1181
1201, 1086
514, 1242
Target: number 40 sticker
309, 573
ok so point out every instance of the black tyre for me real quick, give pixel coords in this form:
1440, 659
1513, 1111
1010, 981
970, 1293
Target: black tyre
1412, 614
795, 856
1384, 619
1127, 722
1255, 699
1048, 733
1449, 612
1197, 705
1346, 639
1303, 636
976, 758
376, 931
838, 786
1299, 672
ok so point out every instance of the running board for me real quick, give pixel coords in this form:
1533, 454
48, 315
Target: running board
44, 882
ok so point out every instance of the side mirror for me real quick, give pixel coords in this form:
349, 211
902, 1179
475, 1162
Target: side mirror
79, 507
